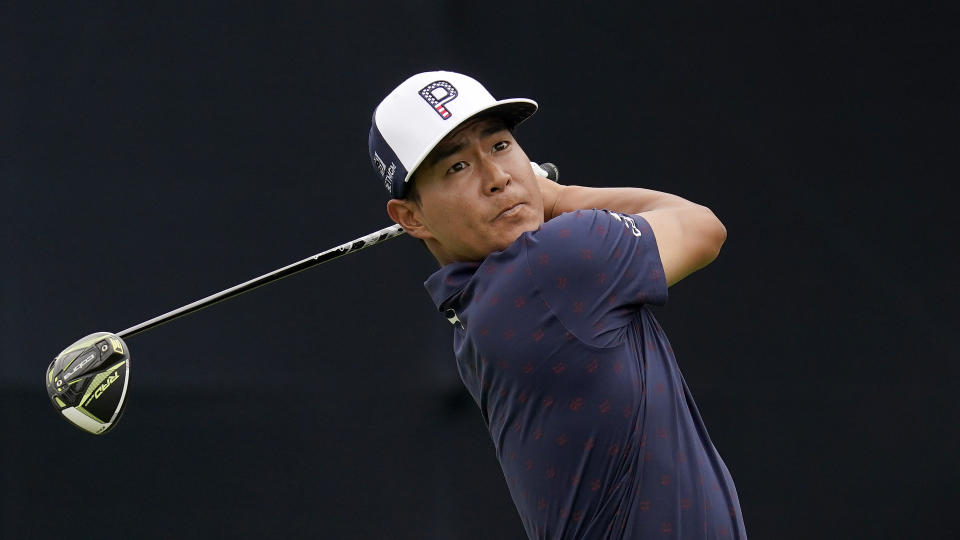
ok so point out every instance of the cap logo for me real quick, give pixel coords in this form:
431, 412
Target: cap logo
437, 94
379, 164
385, 172
388, 178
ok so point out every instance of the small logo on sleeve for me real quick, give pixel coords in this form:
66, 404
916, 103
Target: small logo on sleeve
438, 94
628, 222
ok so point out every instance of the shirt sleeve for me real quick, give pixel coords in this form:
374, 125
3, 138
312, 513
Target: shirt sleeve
595, 269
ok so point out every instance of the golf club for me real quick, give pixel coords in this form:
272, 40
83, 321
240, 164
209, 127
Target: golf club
88, 381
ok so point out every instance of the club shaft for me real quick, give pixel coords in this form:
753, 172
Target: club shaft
350, 247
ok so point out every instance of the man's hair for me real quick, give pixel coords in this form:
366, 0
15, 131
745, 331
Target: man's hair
412, 194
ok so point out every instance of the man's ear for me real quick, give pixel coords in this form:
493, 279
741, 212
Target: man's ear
407, 214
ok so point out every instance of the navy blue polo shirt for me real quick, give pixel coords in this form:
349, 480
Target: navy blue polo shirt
595, 429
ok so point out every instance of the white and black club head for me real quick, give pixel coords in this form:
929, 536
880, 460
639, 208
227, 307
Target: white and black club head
88, 381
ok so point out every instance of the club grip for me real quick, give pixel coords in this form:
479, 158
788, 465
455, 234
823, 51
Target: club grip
553, 173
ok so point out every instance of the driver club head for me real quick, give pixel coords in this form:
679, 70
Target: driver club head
87, 382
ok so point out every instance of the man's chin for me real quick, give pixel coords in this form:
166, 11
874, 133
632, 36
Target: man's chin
517, 229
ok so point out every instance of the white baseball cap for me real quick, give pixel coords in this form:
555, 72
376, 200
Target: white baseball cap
423, 110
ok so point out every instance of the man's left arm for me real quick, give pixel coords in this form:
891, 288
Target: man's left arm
689, 236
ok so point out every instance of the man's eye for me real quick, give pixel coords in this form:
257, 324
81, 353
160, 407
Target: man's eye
457, 167
500, 146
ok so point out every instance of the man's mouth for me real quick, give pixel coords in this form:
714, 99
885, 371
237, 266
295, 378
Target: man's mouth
510, 211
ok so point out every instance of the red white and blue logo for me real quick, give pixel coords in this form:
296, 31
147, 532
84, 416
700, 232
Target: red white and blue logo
438, 94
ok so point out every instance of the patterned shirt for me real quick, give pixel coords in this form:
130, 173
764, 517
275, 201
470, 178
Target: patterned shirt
595, 429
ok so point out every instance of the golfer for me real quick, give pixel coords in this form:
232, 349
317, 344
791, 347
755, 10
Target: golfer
547, 287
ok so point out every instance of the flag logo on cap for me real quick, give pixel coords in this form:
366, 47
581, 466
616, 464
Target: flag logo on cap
437, 94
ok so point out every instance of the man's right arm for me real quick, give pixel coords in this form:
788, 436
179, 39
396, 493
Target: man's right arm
689, 236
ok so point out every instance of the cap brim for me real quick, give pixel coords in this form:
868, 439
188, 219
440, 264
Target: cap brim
513, 111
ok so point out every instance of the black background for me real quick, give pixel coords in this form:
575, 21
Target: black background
152, 155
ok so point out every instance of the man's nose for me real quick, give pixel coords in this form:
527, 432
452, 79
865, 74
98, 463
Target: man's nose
495, 177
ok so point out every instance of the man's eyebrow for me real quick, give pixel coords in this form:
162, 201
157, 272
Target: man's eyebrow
493, 128
444, 151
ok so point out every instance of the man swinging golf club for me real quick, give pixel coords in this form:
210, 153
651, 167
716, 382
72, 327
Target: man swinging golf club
547, 288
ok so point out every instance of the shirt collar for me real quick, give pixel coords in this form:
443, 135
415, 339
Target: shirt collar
449, 281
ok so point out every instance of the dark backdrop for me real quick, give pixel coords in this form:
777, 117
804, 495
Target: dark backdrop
152, 155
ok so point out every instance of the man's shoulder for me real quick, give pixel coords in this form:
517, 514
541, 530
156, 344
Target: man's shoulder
588, 241
577, 218
582, 228
568, 224
594, 220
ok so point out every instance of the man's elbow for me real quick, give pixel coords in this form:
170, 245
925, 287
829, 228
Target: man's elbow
713, 234
689, 240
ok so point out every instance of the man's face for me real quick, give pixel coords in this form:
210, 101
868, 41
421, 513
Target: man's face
478, 193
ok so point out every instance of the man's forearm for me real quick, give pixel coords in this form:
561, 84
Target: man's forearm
558, 199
